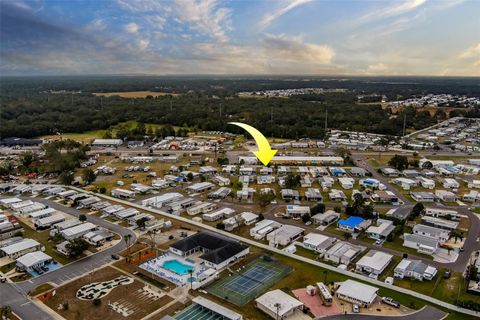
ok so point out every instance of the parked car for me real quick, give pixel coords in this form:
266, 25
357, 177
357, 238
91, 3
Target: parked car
3, 279
391, 302
355, 308
115, 257
447, 274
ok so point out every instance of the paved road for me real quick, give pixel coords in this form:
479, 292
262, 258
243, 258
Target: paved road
428, 312
14, 295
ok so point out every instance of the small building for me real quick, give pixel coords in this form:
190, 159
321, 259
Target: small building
220, 193
78, 231
373, 263
405, 183
353, 224
384, 196
432, 232
32, 260
426, 182
390, 172
326, 218
200, 187
449, 183
446, 196
422, 244
107, 142
217, 215
423, 196
278, 305
47, 222
440, 223
337, 195
123, 193
442, 213
317, 242
473, 196
358, 172
248, 218
162, 200
289, 194
262, 228
370, 183
221, 181
296, 211
98, 237
414, 269
18, 249
284, 235
381, 230
201, 207
343, 253
400, 213
346, 182
313, 194
356, 292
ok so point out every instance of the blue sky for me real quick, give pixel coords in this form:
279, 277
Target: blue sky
341, 37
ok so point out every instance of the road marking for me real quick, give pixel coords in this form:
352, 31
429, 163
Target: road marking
23, 304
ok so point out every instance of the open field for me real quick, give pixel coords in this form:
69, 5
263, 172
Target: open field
128, 295
135, 94
88, 136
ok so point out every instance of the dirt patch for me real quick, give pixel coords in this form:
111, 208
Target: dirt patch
131, 297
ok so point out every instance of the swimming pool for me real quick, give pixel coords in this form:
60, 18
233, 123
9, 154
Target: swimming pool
177, 267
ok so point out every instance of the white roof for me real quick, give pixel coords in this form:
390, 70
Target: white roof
247, 216
376, 260
358, 291
41, 213
20, 246
315, 239
78, 229
10, 200
285, 302
33, 258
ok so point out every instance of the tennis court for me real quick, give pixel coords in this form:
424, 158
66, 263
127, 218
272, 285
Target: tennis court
250, 282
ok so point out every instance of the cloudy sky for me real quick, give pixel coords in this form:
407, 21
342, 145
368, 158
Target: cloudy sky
362, 37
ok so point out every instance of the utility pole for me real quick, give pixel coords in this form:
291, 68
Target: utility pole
404, 123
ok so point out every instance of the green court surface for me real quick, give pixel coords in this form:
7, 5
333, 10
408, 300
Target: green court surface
244, 286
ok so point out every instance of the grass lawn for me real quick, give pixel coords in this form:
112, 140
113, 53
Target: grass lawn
42, 237
88, 136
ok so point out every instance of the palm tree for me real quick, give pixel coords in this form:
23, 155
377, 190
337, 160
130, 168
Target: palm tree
127, 238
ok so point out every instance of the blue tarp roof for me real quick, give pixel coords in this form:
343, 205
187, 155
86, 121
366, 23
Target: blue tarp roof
351, 222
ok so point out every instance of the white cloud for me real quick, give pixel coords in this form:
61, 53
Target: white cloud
398, 8
378, 68
96, 25
472, 52
205, 16
143, 44
132, 27
280, 11
293, 49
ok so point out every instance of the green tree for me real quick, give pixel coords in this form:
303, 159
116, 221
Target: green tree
399, 162
306, 217
82, 218
76, 247
88, 176
66, 178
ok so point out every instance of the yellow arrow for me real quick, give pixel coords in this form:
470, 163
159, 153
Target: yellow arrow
264, 153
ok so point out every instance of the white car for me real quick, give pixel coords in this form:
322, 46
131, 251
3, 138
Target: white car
355, 308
